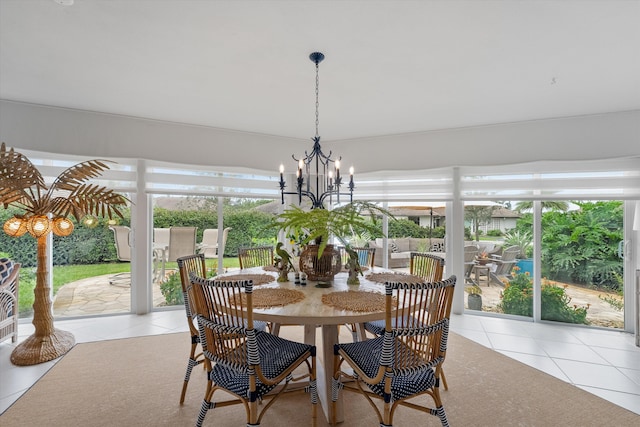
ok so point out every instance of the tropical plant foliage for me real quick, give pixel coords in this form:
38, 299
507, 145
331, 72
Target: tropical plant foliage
319, 225
581, 246
517, 298
521, 238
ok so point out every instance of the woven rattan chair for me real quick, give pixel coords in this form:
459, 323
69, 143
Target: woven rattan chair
9, 287
406, 361
428, 267
187, 265
240, 359
195, 264
258, 256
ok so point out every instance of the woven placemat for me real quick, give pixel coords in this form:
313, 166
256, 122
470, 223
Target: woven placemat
360, 301
271, 268
258, 279
346, 270
394, 277
272, 297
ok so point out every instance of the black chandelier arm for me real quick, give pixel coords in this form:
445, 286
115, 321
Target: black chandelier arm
315, 202
325, 159
324, 173
335, 193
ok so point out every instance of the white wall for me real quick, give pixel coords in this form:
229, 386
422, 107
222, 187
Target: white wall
58, 130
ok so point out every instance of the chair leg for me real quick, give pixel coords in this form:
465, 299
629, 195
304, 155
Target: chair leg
314, 393
444, 380
439, 411
206, 405
190, 365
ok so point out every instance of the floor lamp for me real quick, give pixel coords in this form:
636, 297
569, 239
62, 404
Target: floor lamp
46, 210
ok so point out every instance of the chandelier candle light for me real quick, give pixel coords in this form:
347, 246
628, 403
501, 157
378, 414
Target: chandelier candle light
326, 183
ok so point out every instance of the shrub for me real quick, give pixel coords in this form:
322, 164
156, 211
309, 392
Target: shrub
517, 298
172, 289
494, 233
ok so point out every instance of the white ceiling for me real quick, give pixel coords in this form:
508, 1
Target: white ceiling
391, 66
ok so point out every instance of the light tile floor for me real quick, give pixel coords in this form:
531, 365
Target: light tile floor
603, 362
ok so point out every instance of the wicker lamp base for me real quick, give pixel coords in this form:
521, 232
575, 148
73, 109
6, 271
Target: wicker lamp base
39, 349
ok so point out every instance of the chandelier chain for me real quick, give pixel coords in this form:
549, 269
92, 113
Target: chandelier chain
317, 102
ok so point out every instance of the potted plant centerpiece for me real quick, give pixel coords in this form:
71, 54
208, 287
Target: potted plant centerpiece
314, 228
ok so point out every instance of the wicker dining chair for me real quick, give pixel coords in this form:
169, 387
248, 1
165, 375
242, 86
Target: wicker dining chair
406, 361
427, 266
257, 256
240, 359
187, 265
430, 268
9, 290
196, 264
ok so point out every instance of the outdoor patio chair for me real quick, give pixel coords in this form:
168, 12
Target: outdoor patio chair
406, 361
428, 267
366, 255
470, 256
182, 242
258, 256
121, 236
209, 244
240, 359
504, 264
161, 238
9, 287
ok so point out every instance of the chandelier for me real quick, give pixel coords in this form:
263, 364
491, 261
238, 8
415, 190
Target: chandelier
317, 175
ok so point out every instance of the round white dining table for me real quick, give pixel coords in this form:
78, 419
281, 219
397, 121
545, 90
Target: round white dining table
312, 312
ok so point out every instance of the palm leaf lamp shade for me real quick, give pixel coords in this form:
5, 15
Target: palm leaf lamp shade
47, 209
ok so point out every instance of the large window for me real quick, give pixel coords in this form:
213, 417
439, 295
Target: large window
607, 186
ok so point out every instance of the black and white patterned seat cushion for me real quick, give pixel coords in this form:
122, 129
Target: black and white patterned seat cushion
276, 356
366, 354
377, 326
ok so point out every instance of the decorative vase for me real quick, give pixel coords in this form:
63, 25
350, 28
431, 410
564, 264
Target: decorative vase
321, 269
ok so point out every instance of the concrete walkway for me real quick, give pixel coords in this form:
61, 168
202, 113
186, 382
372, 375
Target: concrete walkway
94, 295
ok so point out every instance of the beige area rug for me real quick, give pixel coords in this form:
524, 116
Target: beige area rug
137, 382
